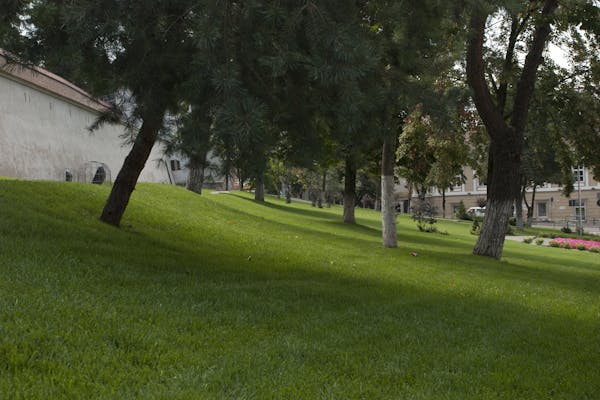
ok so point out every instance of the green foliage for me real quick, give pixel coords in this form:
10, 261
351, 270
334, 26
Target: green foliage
415, 155
539, 241
528, 240
475, 227
461, 212
566, 229
425, 223
566, 245
9, 23
580, 247
554, 244
510, 230
594, 250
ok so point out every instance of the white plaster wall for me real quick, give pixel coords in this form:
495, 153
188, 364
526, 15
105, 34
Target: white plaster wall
41, 136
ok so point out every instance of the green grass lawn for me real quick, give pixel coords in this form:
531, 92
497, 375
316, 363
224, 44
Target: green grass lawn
218, 297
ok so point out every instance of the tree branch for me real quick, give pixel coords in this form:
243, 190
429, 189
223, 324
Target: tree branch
493, 83
491, 116
508, 63
532, 61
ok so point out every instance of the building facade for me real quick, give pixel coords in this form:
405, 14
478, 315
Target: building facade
44, 133
550, 205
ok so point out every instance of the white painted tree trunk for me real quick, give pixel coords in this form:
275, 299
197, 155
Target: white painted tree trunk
491, 240
388, 212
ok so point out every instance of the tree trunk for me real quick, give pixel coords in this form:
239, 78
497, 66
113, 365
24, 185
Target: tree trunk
506, 139
323, 188
378, 193
388, 211
349, 191
259, 190
503, 188
195, 179
530, 208
519, 208
240, 178
288, 187
130, 171
409, 200
519, 213
444, 203
226, 182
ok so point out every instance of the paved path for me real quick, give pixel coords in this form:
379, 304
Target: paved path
520, 239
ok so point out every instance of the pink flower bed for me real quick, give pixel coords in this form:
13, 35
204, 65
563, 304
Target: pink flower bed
574, 242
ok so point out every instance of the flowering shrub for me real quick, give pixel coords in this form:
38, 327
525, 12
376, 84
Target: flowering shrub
576, 244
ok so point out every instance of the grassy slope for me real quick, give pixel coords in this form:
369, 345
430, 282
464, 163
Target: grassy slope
218, 297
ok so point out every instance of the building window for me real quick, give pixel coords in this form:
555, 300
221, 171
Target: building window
578, 209
579, 175
480, 184
175, 165
460, 186
542, 209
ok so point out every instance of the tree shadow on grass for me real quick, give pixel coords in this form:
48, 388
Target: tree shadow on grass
306, 212
303, 325
549, 272
402, 337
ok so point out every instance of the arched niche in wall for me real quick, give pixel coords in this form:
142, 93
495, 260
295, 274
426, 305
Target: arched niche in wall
95, 172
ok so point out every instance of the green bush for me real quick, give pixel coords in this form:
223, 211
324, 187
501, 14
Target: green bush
510, 231
461, 212
554, 244
566, 245
581, 247
475, 227
594, 250
566, 229
528, 240
425, 223
512, 221
539, 241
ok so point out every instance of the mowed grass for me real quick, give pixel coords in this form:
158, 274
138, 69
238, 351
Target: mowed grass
218, 297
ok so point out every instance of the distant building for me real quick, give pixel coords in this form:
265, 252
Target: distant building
213, 180
44, 134
550, 205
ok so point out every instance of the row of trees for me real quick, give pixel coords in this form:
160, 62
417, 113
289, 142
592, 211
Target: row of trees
313, 84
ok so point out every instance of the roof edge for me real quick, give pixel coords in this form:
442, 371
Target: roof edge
41, 78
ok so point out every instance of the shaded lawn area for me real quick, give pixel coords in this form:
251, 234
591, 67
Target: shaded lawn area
216, 296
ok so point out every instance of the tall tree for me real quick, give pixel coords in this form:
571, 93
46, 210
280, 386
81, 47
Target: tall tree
192, 139
450, 154
140, 48
415, 156
416, 46
505, 124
